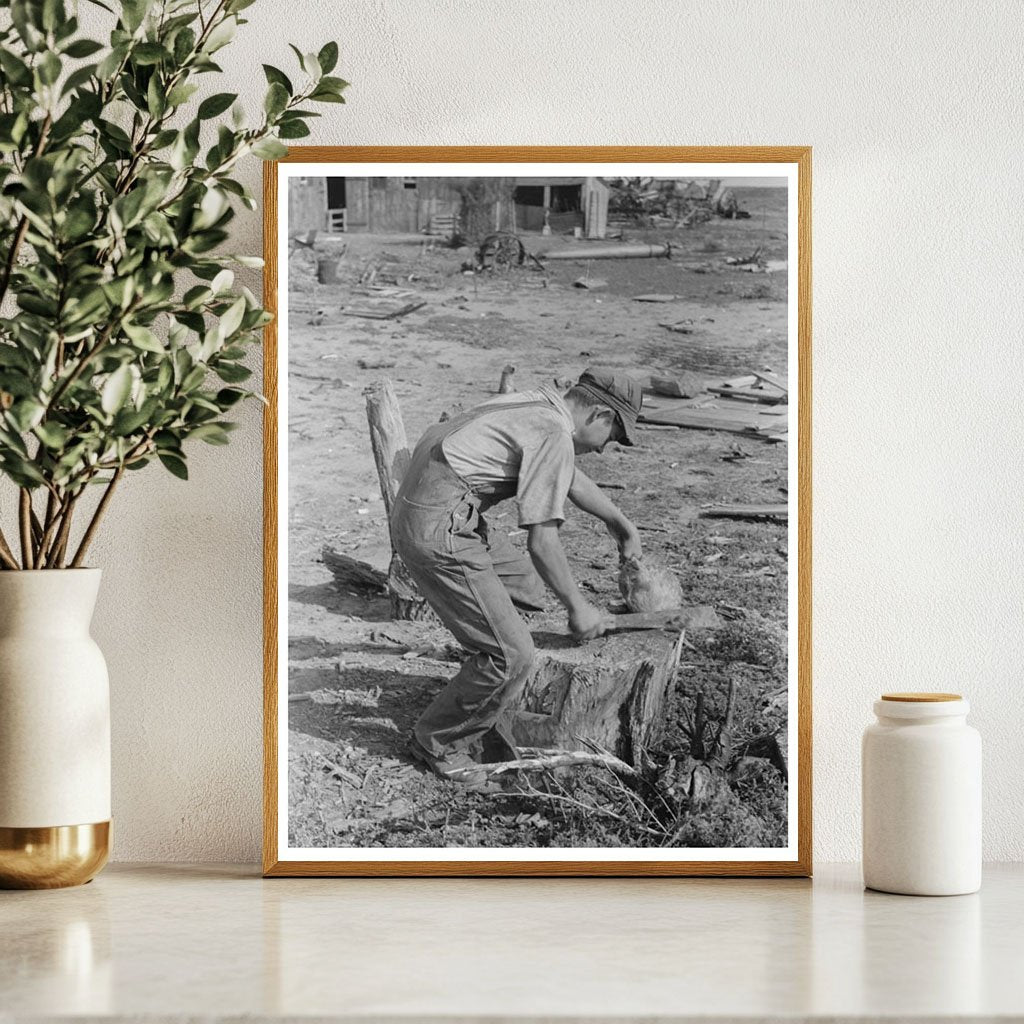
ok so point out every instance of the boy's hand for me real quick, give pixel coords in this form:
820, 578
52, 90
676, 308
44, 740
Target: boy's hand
628, 539
587, 622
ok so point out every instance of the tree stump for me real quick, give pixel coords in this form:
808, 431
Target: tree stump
610, 692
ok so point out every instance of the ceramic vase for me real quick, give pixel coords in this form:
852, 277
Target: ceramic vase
54, 731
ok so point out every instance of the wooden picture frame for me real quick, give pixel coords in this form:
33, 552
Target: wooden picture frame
792, 166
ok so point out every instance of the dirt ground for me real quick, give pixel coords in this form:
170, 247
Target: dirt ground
357, 680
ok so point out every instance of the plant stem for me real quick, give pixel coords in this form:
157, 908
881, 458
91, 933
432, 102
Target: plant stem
56, 556
97, 516
6, 554
25, 522
54, 506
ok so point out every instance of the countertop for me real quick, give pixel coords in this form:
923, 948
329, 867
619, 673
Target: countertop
178, 941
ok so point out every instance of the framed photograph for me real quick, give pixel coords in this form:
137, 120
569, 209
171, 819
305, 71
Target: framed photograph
538, 511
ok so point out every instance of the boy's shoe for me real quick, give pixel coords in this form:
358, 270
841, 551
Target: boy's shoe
456, 767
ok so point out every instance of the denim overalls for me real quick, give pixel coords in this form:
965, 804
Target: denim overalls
474, 582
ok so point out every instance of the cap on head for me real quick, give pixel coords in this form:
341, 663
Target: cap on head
619, 392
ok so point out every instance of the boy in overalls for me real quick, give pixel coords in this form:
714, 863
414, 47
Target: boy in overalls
519, 445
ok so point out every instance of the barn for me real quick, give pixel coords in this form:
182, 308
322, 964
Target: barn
476, 206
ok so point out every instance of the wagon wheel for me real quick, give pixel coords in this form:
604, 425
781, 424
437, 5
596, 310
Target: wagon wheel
502, 250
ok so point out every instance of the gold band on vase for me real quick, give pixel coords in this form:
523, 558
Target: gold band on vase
52, 857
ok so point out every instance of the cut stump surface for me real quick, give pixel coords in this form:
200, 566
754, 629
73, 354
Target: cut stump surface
610, 692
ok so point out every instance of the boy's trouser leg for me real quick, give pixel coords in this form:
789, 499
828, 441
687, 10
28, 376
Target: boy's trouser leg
457, 577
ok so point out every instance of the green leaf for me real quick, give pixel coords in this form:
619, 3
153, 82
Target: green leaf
181, 94
222, 282
276, 99
128, 421
211, 433
133, 13
323, 96
227, 397
21, 471
53, 435
184, 44
269, 149
292, 130
156, 101
144, 338
116, 390
26, 414
221, 35
149, 53
175, 465
274, 75
232, 373
49, 68
328, 57
232, 319
83, 48
77, 79
16, 70
214, 105
334, 84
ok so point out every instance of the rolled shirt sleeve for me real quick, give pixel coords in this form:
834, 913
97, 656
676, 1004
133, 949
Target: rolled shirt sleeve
545, 476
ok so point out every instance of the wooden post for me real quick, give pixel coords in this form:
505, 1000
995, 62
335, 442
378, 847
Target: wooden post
387, 439
391, 454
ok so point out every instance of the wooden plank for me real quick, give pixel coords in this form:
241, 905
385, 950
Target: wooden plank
745, 512
763, 397
741, 419
380, 313
770, 378
687, 385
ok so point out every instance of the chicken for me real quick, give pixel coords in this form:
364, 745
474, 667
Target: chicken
647, 586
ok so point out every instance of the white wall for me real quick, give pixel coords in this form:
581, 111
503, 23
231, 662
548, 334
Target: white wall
914, 113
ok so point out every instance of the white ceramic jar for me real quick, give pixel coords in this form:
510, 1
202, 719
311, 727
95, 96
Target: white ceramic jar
921, 779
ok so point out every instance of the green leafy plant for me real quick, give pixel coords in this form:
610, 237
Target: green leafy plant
123, 335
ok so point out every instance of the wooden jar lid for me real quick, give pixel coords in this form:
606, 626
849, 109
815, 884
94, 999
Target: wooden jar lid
921, 698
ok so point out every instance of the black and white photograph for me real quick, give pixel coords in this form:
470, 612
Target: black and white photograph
537, 545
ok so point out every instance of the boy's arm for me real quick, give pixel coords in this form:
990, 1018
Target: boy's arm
548, 556
586, 495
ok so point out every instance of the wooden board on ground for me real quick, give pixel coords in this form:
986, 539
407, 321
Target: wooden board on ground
382, 309
685, 385
764, 397
745, 512
737, 418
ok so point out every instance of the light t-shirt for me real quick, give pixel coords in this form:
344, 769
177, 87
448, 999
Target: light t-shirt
527, 452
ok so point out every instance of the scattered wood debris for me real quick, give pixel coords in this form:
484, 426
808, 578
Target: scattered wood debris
764, 388
505, 385
745, 512
686, 385
382, 309
744, 419
350, 572
679, 327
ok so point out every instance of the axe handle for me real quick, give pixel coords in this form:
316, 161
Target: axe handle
674, 617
